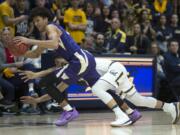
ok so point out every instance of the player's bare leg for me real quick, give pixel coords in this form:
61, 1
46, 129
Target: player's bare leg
99, 89
68, 113
134, 115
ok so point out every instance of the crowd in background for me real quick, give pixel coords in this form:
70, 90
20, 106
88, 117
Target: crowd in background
132, 27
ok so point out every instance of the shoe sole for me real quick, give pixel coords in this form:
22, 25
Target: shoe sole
69, 120
7, 106
177, 107
127, 123
140, 116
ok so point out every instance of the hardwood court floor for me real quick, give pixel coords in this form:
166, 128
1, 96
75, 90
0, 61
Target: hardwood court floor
97, 123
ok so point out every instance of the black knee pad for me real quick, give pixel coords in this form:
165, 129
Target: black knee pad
56, 94
48, 80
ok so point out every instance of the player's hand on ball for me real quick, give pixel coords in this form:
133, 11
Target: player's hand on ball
28, 100
21, 40
28, 75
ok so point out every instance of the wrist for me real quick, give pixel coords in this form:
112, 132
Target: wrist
38, 100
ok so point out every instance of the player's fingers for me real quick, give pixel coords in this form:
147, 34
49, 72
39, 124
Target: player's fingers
24, 77
24, 97
26, 80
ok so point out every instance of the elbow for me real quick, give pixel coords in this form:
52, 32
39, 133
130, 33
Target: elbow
54, 45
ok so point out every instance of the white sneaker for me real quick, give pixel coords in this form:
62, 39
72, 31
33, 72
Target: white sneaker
175, 113
121, 122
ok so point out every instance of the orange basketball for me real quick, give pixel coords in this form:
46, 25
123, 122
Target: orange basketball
18, 49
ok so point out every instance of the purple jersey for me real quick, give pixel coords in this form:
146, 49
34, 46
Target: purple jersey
67, 46
81, 63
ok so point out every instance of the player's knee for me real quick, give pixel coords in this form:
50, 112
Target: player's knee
48, 80
62, 86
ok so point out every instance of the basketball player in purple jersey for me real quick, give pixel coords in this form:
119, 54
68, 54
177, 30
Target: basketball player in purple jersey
81, 64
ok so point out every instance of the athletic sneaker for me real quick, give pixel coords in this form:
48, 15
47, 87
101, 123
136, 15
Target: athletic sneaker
67, 117
175, 113
6, 103
33, 94
135, 116
120, 122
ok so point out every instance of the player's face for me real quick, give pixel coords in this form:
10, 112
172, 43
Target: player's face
60, 62
40, 23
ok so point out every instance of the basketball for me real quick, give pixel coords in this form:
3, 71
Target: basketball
18, 49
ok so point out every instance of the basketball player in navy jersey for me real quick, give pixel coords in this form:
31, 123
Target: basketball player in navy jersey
81, 64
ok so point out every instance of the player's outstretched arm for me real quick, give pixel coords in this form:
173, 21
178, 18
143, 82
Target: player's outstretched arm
29, 75
34, 53
52, 42
32, 100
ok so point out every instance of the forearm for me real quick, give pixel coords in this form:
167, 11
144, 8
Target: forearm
34, 53
45, 72
10, 21
82, 27
43, 98
51, 44
31, 54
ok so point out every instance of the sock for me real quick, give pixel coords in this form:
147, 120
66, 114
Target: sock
67, 108
25, 105
129, 111
31, 87
167, 107
119, 113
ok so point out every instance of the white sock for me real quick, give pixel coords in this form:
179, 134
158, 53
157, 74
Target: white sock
167, 107
129, 111
25, 105
31, 87
119, 113
67, 108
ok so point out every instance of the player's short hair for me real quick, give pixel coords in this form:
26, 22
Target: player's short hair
42, 12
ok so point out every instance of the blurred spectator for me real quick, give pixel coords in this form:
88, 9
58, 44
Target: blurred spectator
141, 5
88, 44
175, 27
75, 21
6, 87
129, 23
146, 25
163, 33
102, 20
172, 65
138, 43
154, 50
41, 3
11, 74
115, 14
7, 15
22, 28
172, 60
118, 5
58, 8
116, 38
159, 7
100, 46
89, 10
